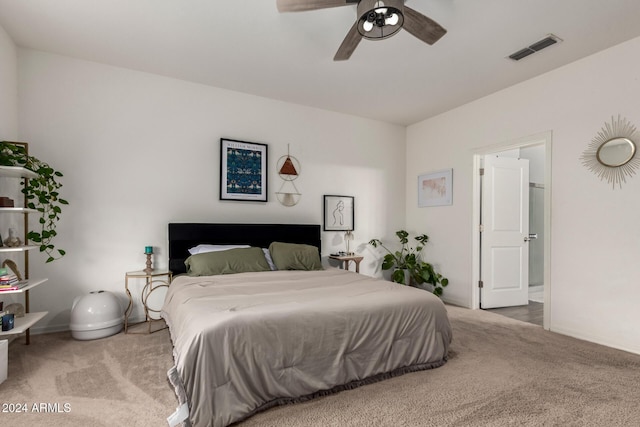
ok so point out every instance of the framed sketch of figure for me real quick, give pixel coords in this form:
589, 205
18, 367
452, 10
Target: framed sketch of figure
338, 213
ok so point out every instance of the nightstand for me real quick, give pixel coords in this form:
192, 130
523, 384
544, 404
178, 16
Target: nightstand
155, 288
348, 258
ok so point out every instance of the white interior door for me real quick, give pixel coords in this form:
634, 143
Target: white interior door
504, 239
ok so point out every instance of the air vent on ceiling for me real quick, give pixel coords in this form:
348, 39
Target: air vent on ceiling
536, 47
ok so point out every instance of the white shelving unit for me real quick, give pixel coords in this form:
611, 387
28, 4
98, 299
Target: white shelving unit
18, 249
24, 286
17, 210
16, 172
21, 324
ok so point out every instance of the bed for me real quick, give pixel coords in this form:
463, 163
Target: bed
250, 340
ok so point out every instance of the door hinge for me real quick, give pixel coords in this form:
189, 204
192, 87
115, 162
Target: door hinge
481, 171
480, 284
481, 228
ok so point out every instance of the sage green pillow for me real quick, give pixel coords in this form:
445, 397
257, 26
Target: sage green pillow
231, 261
293, 256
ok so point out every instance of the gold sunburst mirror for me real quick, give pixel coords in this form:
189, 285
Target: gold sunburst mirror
611, 155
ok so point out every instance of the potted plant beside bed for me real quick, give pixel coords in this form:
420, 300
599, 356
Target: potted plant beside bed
408, 266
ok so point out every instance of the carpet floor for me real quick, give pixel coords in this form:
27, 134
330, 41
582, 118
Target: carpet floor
501, 372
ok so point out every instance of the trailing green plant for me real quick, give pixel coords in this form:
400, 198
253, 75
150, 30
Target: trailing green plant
408, 259
42, 194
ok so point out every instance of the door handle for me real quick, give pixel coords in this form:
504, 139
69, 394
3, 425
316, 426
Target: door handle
531, 236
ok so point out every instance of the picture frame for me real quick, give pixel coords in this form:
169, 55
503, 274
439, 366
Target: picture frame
243, 170
435, 188
338, 213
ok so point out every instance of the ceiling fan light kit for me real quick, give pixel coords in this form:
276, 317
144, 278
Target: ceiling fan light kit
375, 20
379, 20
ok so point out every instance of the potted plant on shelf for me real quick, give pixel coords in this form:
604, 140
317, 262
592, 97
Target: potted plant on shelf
42, 194
408, 265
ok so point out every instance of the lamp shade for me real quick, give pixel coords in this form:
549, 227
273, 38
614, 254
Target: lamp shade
348, 237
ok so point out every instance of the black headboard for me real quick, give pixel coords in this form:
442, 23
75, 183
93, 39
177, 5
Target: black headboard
183, 236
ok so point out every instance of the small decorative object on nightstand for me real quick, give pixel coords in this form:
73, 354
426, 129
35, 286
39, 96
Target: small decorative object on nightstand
348, 237
148, 250
156, 285
345, 259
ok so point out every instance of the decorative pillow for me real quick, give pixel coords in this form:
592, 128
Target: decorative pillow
292, 256
267, 256
200, 249
239, 260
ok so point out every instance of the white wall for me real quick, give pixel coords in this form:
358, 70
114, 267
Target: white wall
139, 151
8, 88
595, 233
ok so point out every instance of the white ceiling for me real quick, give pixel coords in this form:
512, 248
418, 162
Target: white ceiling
247, 46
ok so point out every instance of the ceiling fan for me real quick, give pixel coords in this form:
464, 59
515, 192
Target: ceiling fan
376, 20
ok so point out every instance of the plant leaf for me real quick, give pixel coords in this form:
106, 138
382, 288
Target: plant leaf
398, 276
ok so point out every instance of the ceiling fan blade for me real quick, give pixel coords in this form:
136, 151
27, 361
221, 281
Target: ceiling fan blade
349, 44
426, 29
302, 5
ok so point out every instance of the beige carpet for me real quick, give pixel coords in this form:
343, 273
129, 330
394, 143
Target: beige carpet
502, 372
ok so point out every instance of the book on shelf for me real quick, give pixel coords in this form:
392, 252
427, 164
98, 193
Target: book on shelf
14, 287
8, 279
8, 285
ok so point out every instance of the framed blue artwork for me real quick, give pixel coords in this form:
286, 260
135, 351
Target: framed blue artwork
243, 171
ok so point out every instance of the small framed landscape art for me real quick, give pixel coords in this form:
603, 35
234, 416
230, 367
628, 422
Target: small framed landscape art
243, 171
338, 213
435, 188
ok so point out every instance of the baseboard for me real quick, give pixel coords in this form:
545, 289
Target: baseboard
594, 339
50, 329
455, 301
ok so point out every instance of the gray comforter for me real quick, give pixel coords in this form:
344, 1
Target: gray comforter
244, 342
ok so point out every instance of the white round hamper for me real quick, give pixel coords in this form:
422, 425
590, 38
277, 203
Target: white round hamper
96, 315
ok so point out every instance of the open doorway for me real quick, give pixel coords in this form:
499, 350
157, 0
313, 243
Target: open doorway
511, 245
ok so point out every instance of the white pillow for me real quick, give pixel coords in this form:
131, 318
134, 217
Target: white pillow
201, 249
267, 255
